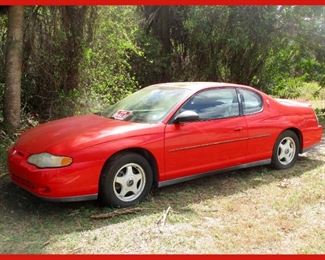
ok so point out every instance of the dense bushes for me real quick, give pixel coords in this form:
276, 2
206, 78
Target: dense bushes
106, 70
79, 59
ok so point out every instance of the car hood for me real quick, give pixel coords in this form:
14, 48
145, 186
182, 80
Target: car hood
75, 133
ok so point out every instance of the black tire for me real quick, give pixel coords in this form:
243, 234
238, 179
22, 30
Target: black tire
276, 162
107, 195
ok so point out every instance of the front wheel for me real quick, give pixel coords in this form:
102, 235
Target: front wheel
125, 180
285, 151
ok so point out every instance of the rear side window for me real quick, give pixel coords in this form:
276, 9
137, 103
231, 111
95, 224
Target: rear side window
252, 102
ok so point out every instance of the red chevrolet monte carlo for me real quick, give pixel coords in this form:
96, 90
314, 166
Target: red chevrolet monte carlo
161, 135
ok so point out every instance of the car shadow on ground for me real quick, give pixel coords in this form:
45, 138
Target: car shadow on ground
21, 209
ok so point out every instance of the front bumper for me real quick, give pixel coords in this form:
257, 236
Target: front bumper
76, 182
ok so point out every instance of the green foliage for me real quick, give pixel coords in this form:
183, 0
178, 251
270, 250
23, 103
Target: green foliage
106, 70
52, 56
298, 88
83, 65
230, 43
292, 64
289, 88
87, 58
298, 51
147, 67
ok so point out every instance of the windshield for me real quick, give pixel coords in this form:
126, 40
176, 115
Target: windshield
149, 105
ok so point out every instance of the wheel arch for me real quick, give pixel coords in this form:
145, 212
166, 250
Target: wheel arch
141, 151
298, 132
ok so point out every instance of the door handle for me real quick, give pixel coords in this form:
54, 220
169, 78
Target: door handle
238, 129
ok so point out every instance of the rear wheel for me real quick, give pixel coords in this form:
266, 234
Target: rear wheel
285, 151
126, 180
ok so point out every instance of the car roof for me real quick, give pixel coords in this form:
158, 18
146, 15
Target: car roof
195, 86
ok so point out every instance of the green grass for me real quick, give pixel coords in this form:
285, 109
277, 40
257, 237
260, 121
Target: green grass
258, 210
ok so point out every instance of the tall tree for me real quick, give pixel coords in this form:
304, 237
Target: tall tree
74, 21
159, 20
230, 43
166, 25
55, 41
13, 67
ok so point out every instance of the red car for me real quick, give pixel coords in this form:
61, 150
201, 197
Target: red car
161, 135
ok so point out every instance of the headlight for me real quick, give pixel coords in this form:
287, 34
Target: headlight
46, 160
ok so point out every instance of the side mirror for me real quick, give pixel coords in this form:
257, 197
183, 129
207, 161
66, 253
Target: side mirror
186, 116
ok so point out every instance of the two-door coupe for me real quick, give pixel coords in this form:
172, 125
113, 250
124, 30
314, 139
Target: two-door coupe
161, 135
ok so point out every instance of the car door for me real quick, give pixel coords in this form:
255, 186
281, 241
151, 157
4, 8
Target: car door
260, 125
217, 140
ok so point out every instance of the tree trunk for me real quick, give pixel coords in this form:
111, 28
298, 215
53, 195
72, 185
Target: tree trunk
74, 20
13, 68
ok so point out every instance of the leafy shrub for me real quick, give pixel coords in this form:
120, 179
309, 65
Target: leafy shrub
298, 88
106, 71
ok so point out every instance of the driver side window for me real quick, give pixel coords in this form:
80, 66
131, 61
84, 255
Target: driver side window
213, 104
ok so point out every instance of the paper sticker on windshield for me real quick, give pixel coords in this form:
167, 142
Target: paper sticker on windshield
122, 114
